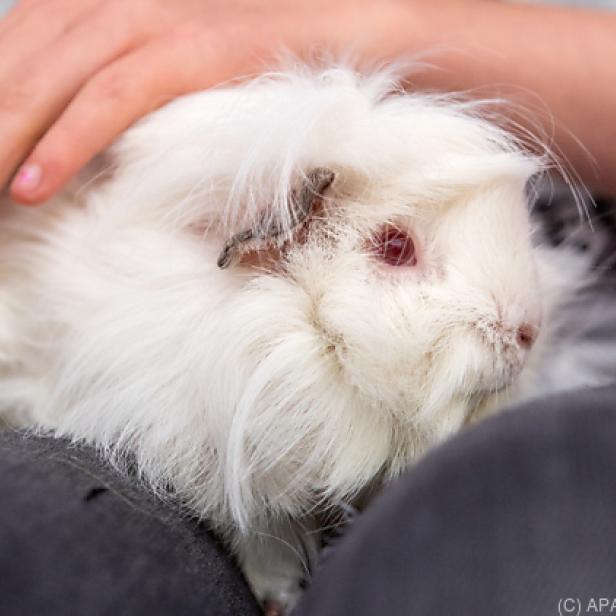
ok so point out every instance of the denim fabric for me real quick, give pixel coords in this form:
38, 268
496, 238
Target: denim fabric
511, 518
78, 538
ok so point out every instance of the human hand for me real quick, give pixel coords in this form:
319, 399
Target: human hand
74, 75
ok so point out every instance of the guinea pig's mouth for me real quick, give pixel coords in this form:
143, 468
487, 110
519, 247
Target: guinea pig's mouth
499, 377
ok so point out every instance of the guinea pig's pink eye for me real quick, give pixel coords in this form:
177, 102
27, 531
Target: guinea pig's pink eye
395, 247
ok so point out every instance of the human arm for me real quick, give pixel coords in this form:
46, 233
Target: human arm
75, 75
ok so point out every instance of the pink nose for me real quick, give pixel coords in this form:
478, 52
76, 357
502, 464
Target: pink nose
526, 335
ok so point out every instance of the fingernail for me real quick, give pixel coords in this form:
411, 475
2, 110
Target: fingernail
28, 178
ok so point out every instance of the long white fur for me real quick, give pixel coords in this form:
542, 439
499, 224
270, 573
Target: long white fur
261, 396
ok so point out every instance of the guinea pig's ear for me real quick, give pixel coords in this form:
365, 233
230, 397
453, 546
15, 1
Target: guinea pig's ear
301, 207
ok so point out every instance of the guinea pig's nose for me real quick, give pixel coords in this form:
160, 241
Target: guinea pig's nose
526, 335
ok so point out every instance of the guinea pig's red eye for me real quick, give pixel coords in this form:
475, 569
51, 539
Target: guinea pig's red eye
395, 247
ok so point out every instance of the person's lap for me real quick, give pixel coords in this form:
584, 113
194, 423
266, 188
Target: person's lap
77, 537
508, 518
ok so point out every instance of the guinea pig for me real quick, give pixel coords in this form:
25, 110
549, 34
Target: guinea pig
272, 298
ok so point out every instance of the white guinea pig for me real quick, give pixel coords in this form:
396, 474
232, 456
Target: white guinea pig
278, 296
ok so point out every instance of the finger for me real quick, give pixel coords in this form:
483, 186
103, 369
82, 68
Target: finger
126, 90
30, 26
36, 92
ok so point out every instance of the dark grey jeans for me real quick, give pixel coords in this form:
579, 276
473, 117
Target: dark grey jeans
514, 517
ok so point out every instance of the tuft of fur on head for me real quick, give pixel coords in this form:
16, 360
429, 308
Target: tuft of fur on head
271, 131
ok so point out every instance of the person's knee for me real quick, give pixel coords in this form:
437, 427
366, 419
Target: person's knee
496, 508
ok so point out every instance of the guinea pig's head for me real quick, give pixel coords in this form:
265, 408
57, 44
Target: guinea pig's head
418, 283
404, 298
425, 297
